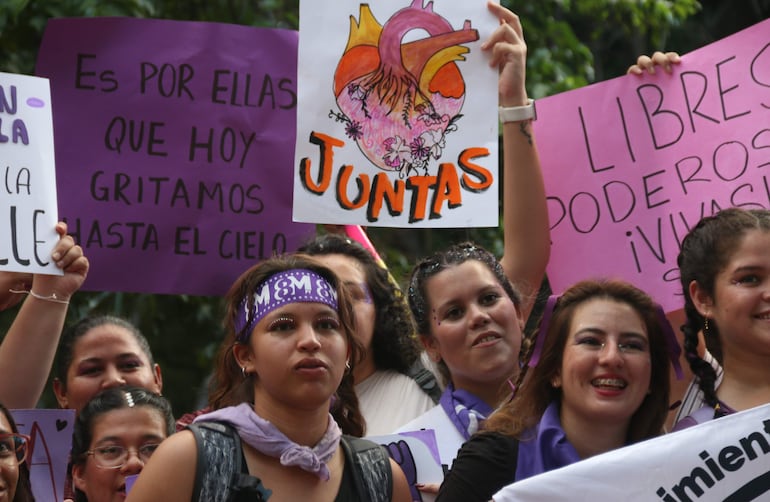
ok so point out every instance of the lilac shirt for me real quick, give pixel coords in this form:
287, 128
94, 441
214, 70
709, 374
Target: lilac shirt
548, 449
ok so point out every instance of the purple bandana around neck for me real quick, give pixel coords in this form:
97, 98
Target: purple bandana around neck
465, 410
290, 286
547, 449
265, 437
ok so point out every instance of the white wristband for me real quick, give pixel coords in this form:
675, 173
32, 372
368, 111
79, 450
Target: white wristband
518, 113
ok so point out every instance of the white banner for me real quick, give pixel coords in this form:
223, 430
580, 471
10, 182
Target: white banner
721, 460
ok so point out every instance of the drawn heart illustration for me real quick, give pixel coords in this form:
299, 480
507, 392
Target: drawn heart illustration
399, 99
60, 424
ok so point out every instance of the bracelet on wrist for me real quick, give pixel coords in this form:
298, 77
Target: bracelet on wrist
517, 113
50, 298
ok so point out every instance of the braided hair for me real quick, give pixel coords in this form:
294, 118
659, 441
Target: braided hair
705, 252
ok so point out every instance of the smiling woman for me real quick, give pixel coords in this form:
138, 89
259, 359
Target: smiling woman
724, 268
101, 352
602, 382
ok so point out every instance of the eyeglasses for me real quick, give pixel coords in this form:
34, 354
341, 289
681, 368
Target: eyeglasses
14, 447
115, 457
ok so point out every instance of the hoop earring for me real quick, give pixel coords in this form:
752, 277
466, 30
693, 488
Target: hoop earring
347, 366
243, 372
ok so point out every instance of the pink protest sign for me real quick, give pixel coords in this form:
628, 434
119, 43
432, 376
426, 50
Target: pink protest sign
174, 148
50, 433
633, 163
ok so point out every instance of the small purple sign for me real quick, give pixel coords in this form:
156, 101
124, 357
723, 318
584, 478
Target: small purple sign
50, 433
174, 148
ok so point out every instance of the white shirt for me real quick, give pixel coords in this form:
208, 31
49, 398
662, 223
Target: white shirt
389, 399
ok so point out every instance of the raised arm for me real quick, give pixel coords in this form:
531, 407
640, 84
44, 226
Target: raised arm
526, 231
28, 349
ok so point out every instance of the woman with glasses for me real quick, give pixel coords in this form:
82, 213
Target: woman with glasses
115, 434
14, 473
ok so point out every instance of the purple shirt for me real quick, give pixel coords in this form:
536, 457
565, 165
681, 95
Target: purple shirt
548, 447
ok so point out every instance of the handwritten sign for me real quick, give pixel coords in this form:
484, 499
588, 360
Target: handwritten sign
174, 145
50, 444
417, 455
720, 460
28, 203
632, 164
397, 116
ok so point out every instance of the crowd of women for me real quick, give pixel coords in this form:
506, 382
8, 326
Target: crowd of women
322, 349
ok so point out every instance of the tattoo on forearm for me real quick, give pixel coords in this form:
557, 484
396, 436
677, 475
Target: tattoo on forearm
524, 129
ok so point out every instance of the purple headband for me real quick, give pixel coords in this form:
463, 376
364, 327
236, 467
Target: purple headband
672, 344
291, 286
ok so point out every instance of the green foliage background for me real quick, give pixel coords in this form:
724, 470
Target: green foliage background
571, 43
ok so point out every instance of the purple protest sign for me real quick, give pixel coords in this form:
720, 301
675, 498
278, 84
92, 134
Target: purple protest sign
174, 148
50, 433
631, 164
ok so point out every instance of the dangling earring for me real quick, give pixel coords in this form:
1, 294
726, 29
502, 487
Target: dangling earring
705, 326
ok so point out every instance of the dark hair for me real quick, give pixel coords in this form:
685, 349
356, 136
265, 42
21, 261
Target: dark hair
23, 485
229, 388
75, 332
706, 251
394, 345
453, 256
114, 398
537, 391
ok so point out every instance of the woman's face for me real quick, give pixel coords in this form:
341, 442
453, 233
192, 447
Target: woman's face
106, 356
476, 328
138, 430
297, 353
606, 367
9, 467
351, 273
741, 304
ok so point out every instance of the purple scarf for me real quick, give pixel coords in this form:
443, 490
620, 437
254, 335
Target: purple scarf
546, 447
465, 410
267, 439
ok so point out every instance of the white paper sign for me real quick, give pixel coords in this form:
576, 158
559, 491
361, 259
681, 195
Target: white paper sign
28, 207
727, 459
397, 114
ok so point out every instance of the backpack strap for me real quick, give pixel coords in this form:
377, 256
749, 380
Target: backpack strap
372, 472
221, 473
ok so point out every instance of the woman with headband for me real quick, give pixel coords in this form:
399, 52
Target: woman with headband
602, 382
285, 363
